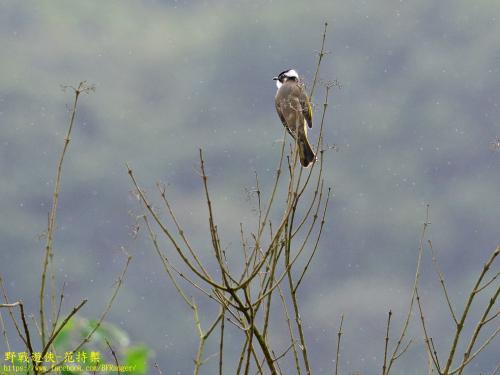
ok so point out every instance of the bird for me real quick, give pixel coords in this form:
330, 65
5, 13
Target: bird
295, 112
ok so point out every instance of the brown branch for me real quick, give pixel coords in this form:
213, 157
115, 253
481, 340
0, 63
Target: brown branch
428, 342
61, 326
27, 338
471, 357
242, 355
298, 320
11, 314
103, 316
165, 262
339, 336
83, 87
56, 320
405, 348
180, 230
27, 334
468, 305
396, 352
221, 341
317, 239
320, 57
4, 331
441, 280
384, 367
170, 236
482, 322
488, 283
114, 356
290, 331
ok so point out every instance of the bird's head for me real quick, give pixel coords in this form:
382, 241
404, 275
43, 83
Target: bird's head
286, 75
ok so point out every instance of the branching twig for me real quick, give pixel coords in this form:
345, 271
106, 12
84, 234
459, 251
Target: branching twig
321, 54
467, 307
61, 326
83, 87
427, 340
441, 280
103, 316
396, 353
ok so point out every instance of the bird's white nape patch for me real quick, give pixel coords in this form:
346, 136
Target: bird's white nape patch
278, 84
292, 73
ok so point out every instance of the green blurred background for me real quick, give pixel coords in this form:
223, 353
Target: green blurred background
413, 124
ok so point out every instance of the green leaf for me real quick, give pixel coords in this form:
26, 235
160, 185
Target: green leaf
63, 336
137, 357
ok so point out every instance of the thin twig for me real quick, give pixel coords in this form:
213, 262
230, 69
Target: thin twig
82, 88
4, 331
384, 367
11, 314
467, 307
114, 356
479, 350
339, 336
482, 322
169, 235
320, 57
180, 230
427, 340
61, 326
290, 331
441, 280
396, 352
488, 283
56, 319
103, 316
221, 341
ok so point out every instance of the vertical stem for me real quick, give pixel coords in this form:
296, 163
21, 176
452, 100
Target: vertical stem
321, 54
221, 344
339, 335
384, 367
53, 212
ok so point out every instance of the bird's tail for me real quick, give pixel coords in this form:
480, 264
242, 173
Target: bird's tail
306, 153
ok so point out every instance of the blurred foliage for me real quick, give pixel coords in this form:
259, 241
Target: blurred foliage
97, 351
136, 355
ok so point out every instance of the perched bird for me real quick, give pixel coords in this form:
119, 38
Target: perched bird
295, 111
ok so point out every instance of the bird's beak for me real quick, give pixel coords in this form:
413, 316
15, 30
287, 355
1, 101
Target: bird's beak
275, 78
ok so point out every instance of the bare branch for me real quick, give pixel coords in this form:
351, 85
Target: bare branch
83, 87
441, 280
114, 356
384, 367
339, 336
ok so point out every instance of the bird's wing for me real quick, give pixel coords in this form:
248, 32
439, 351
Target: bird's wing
282, 118
306, 107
